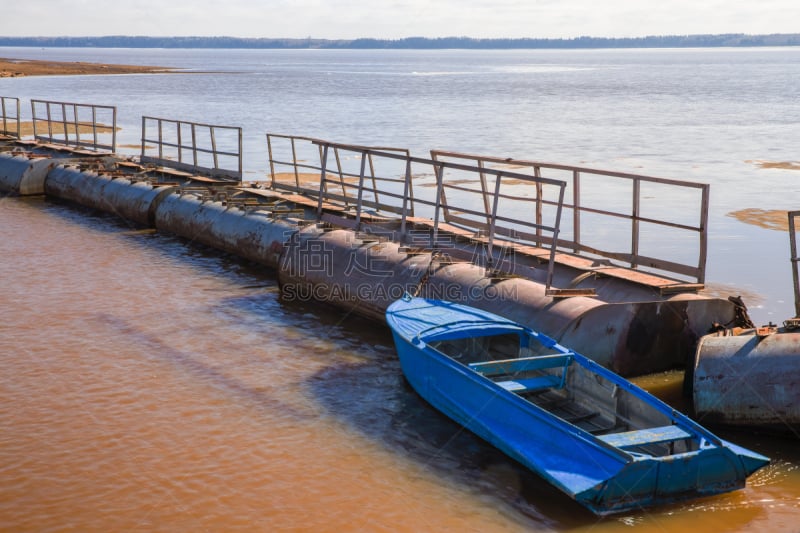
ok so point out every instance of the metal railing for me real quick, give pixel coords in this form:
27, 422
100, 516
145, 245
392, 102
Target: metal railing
296, 163
491, 198
89, 126
9, 116
610, 188
194, 147
347, 169
396, 198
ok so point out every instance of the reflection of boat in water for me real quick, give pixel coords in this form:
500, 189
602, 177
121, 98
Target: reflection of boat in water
751, 377
600, 439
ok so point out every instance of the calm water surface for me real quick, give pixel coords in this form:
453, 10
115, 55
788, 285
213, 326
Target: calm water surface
148, 383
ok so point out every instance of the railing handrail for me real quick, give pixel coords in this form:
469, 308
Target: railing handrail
75, 122
193, 146
634, 258
354, 192
492, 229
558, 166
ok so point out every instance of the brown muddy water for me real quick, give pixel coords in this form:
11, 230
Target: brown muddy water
147, 383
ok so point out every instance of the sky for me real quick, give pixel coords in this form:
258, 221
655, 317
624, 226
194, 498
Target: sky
394, 19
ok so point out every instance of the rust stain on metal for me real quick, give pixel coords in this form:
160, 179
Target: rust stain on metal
655, 333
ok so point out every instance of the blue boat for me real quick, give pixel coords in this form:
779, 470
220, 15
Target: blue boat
599, 438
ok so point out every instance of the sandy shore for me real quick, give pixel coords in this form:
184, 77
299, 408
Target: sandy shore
775, 219
12, 68
26, 128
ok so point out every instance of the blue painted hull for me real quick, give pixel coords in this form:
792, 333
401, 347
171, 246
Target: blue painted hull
608, 473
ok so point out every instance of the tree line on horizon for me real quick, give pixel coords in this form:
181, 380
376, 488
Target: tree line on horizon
665, 41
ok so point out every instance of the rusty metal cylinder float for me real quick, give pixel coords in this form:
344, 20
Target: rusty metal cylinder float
131, 201
521, 300
252, 235
23, 176
84, 188
356, 272
364, 275
631, 338
749, 380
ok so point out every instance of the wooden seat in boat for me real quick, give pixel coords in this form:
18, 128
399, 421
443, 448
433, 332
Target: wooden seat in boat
642, 437
521, 364
511, 367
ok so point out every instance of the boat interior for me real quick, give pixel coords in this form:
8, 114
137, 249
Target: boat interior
560, 384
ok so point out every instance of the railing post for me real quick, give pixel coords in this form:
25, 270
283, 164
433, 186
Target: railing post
439, 172
406, 190
442, 198
637, 188
160, 139
794, 259
319, 149
410, 184
77, 125
33, 118
341, 176
537, 172
214, 154
271, 162
556, 230
294, 164
114, 130
49, 121
144, 135
374, 182
94, 127
194, 143
701, 264
576, 210
64, 123
241, 156
323, 186
361, 188
493, 220
484, 191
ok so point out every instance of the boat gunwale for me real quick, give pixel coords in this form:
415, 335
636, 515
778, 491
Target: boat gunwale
454, 330
409, 331
560, 423
542, 414
422, 337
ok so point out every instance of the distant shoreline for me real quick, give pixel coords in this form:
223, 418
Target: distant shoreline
16, 68
421, 43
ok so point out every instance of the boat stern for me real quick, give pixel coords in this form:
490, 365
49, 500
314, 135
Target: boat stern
650, 482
